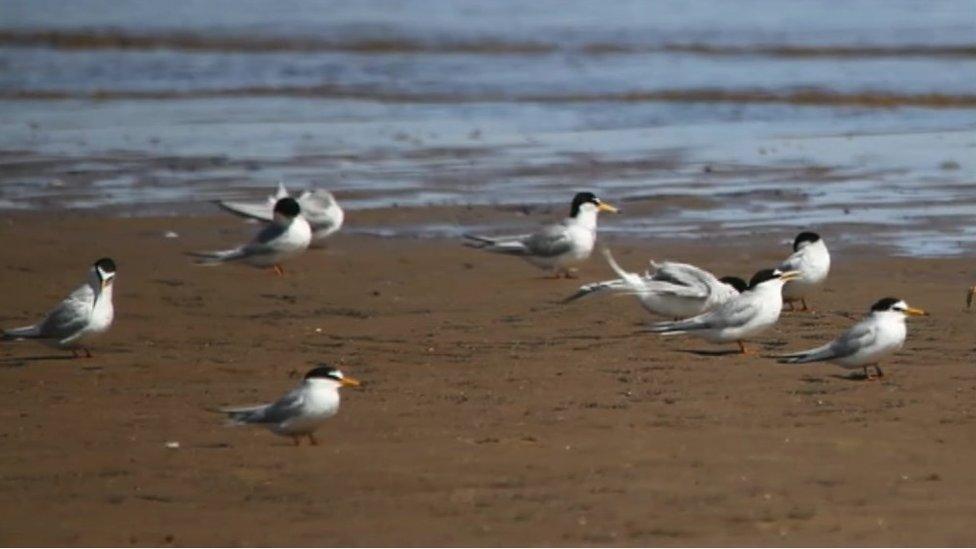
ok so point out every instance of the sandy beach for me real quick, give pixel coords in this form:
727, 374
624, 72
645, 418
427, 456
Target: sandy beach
491, 414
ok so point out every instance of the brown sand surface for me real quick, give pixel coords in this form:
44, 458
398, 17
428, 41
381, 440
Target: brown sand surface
490, 415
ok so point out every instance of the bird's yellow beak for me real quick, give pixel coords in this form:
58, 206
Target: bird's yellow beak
790, 275
350, 382
916, 312
604, 207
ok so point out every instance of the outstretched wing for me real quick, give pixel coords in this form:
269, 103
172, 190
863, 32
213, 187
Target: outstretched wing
320, 209
262, 211
594, 287
250, 210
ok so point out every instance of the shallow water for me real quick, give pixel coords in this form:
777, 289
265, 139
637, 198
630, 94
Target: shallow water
776, 116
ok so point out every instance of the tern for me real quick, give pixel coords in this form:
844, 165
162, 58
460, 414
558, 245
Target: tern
673, 290
84, 314
287, 236
864, 344
556, 247
301, 411
319, 208
811, 258
748, 314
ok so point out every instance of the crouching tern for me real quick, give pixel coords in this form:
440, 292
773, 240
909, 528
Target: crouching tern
811, 258
319, 208
287, 236
84, 314
302, 410
673, 290
864, 344
556, 247
745, 315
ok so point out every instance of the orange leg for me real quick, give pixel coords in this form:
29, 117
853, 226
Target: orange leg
87, 352
278, 270
311, 440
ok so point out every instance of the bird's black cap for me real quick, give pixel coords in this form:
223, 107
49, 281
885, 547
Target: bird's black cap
885, 304
105, 264
287, 207
324, 370
763, 276
736, 282
580, 199
804, 238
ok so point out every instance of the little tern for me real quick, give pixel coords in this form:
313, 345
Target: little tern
864, 344
319, 208
84, 314
745, 315
811, 258
556, 247
301, 411
287, 236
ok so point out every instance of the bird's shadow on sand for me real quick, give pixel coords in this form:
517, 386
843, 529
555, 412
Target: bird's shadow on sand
20, 361
711, 352
858, 377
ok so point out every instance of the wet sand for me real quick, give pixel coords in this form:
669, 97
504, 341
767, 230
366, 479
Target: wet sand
491, 414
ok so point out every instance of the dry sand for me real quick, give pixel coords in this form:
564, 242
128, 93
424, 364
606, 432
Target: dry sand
491, 414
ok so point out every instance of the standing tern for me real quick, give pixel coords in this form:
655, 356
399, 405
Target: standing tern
745, 315
864, 344
84, 314
319, 207
302, 410
811, 258
286, 236
556, 247
673, 290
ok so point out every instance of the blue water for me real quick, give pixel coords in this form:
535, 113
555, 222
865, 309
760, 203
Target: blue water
150, 107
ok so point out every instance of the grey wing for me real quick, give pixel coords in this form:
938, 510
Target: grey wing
276, 412
731, 313
857, 337
550, 241
793, 262
262, 242
285, 407
70, 316
735, 312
